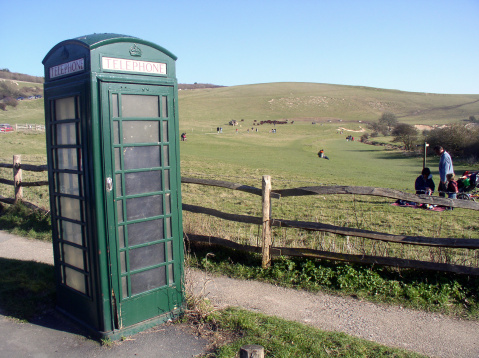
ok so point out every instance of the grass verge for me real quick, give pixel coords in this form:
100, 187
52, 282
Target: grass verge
27, 288
282, 338
20, 220
429, 291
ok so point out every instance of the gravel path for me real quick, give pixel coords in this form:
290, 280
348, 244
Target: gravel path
431, 334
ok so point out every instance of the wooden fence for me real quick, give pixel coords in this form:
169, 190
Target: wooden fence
18, 182
267, 222
29, 127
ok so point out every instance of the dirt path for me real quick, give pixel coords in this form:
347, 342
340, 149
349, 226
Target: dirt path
430, 334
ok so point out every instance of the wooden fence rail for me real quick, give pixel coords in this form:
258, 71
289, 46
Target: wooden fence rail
266, 221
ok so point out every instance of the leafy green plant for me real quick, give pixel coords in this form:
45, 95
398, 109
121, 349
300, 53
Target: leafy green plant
21, 220
431, 291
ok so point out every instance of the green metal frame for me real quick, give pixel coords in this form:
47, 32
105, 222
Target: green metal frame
100, 309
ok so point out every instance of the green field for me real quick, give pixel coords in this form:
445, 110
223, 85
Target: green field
240, 154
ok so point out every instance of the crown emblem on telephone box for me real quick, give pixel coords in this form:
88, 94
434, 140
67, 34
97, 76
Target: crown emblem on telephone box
135, 51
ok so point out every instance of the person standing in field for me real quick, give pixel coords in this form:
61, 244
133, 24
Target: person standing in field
445, 167
452, 188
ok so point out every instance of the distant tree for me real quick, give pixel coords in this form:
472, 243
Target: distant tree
9, 101
377, 128
406, 134
388, 119
473, 119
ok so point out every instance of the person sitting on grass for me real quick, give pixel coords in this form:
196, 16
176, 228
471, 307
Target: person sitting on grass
424, 183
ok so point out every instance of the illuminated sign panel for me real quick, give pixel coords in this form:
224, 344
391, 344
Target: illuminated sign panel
124, 65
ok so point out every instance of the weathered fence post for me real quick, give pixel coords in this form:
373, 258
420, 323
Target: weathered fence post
17, 177
252, 351
266, 187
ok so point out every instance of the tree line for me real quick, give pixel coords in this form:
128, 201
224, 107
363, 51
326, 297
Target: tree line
14, 76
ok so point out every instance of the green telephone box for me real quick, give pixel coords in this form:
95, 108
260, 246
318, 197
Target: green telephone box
111, 121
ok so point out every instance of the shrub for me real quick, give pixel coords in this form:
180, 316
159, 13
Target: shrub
3, 106
9, 101
457, 139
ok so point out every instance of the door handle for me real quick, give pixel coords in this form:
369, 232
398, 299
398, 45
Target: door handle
109, 184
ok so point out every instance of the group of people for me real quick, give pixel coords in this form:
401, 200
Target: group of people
447, 182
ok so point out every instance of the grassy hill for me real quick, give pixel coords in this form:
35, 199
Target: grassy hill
200, 108
315, 101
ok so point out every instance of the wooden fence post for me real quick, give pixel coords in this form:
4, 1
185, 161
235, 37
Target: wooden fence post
17, 177
252, 351
266, 187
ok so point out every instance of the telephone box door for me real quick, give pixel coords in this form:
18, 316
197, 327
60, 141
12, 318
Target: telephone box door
142, 199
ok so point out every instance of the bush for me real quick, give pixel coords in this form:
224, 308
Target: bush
458, 139
406, 134
3, 106
9, 101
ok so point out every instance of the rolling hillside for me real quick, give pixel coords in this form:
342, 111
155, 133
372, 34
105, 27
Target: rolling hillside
319, 102
295, 101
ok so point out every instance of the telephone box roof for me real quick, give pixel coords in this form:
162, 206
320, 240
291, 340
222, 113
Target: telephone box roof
93, 41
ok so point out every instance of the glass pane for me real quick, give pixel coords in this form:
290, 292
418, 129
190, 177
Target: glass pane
164, 106
166, 156
123, 261
170, 250
167, 204
66, 133
65, 108
141, 132
168, 228
71, 232
70, 208
148, 280
119, 210
124, 287
139, 106
73, 256
144, 207
170, 274
116, 132
142, 182
165, 131
75, 280
147, 256
118, 185
68, 183
146, 231
141, 157
167, 179
67, 159
114, 105
121, 236
117, 159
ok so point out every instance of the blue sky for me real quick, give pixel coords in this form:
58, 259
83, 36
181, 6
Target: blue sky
420, 46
